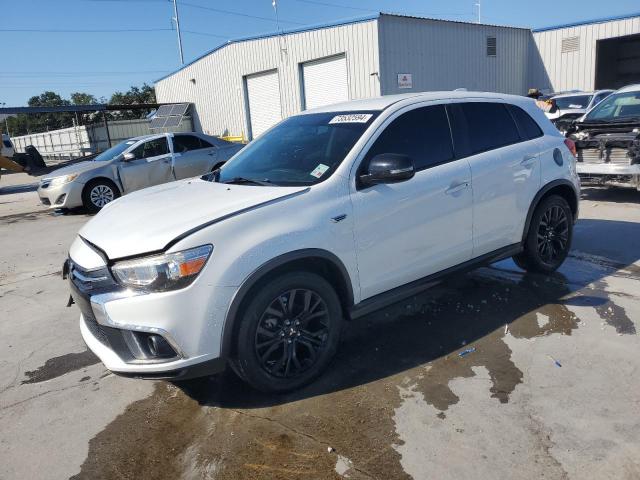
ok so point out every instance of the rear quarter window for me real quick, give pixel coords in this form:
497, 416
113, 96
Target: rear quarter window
528, 127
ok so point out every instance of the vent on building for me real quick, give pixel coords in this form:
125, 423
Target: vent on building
492, 48
570, 44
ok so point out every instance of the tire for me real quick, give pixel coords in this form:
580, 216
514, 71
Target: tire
548, 240
275, 356
97, 193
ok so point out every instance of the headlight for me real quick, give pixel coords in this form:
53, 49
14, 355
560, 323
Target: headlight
170, 271
62, 180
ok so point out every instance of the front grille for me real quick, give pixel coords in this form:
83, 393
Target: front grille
619, 156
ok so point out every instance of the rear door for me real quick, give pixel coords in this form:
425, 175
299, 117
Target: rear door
505, 171
151, 166
406, 231
192, 156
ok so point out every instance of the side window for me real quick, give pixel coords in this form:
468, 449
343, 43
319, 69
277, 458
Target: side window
186, 143
528, 127
152, 148
487, 125
421, 134
205, 144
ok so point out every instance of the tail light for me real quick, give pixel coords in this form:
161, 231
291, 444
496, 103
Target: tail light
571, 145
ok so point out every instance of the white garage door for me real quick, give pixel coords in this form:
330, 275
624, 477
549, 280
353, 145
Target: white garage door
263, 95
325, 82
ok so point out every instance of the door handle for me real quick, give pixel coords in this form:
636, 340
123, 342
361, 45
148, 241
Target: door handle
528, 160
456, 188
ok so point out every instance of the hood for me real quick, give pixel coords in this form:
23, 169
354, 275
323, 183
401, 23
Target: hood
75, 168
148, 220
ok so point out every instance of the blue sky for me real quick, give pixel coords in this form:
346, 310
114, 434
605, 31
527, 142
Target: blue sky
101, 62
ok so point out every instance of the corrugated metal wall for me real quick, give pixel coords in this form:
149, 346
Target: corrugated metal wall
448, 55
558, 71
214, 84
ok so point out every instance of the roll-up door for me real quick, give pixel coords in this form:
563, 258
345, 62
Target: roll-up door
263, 99
325, 82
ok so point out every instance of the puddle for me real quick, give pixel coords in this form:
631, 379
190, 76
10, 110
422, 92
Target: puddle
58, 366
220, 425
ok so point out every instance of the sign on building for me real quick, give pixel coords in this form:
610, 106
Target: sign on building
405, 80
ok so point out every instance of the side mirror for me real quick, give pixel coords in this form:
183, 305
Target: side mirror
388, 168
127, 157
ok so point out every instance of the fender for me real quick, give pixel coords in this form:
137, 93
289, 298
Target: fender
541, 193
232, 313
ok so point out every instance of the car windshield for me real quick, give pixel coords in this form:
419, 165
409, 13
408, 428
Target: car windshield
114, 151
302, 150
616, 107
573, 102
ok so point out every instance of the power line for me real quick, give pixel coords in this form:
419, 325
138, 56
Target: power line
229, 12
51, 30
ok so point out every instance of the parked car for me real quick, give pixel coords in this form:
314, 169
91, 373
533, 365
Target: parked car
134, 164
607, 140
7, 147
564, 109
329, 215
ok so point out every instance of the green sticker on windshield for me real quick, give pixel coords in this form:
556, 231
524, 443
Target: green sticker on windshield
319, 170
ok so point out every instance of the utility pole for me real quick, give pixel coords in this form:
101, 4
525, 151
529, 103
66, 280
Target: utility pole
479, 7
176, 19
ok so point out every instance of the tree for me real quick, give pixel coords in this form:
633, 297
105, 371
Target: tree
135, 96
41, 122
79, 98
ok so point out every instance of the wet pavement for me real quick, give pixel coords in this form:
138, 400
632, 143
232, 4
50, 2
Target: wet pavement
549, 386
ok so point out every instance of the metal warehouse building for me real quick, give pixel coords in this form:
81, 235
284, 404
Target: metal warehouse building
589, 55
247, 85
243, 87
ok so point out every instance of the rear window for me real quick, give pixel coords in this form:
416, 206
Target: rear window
528, 127
421, 134
479, 127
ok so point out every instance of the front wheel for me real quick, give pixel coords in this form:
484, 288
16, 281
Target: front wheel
549, 237
97, 193
289, 332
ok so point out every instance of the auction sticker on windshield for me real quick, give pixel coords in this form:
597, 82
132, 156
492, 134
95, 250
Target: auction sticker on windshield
319, 170
351, 118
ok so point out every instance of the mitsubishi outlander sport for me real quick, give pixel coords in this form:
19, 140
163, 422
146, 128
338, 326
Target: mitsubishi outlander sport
329, 215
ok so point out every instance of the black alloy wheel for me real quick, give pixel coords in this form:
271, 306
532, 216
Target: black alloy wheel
289, 331
292, 332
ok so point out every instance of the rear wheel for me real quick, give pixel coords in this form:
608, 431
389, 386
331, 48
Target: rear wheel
549, 237
288, 333
97, 193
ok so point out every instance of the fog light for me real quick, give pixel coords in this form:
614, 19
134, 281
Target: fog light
60, 199
159, 347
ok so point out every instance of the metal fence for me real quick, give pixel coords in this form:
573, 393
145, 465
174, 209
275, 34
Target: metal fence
79, 141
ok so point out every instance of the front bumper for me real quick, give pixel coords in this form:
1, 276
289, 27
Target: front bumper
68, 195
117, 324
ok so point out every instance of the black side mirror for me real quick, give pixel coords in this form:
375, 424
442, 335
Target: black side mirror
388, 168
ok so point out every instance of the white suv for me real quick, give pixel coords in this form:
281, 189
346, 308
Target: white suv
329, 215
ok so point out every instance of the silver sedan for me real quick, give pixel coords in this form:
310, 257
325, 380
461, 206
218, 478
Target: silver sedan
134, 164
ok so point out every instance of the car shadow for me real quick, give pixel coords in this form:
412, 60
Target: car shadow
442, 321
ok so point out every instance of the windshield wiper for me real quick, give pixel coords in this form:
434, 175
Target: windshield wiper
250, 181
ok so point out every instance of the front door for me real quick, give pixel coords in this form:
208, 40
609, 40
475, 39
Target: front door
151, 165
406, 231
